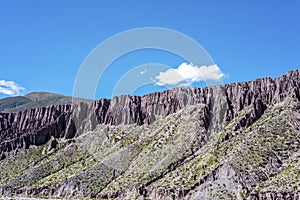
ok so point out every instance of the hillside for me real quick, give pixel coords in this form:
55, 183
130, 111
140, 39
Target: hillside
32, 100
237, 141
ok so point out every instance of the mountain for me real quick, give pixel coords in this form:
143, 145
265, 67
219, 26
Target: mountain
234, 141
32, 100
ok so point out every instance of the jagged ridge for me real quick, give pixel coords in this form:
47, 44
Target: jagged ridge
29, 127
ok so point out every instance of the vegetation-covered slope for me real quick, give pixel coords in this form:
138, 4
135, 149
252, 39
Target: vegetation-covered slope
170, 158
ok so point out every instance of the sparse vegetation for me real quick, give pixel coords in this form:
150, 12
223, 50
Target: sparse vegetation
166, 157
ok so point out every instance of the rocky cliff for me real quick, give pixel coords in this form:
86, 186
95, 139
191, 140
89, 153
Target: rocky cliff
237, 105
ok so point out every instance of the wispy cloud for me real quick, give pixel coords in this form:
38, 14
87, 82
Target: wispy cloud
10, 88
188, 73
143, 72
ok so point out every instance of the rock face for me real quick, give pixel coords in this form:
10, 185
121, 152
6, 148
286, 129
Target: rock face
146, 109
221, 105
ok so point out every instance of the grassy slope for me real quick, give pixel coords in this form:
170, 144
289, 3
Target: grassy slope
264, 156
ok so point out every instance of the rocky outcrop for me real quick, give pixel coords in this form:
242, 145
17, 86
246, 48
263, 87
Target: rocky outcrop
32, 127
259, 94
284, 195
36, 126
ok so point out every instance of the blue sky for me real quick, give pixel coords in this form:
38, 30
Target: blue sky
43, 43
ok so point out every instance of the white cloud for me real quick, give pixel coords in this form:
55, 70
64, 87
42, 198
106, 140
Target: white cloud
143, 72
10, 88
188, 73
